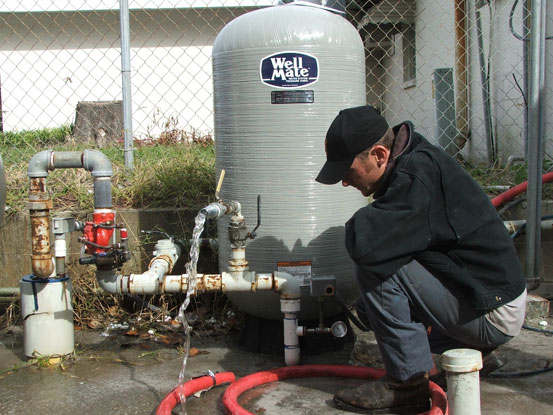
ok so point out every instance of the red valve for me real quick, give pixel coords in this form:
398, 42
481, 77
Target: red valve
99, 232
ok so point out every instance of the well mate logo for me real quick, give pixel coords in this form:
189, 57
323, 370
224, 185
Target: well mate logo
289, 70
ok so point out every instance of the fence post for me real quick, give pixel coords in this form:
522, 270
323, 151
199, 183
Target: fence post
126, 81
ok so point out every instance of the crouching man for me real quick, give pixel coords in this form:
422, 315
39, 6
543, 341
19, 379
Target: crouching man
436, 267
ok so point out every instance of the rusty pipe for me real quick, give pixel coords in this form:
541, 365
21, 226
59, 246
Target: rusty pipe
39, 204
149, 284
217, 209
461, 74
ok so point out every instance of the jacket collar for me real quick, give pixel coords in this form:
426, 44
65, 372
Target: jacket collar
402, 142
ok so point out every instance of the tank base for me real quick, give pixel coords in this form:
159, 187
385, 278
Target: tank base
260, 335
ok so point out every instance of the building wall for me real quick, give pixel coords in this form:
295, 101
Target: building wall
435, 48
51, 61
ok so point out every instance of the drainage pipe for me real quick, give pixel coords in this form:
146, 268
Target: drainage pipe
461, 74
485, 79
154, 282
515, 225
39, 204
463, 381
535, 140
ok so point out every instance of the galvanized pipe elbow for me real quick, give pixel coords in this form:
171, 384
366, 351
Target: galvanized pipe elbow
40, 164
97, 163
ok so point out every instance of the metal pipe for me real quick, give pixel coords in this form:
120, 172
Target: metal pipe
525, 60
485, 80
126, 82
461, 73
150, 282
535, 143
514, 225
39, 204
7, 291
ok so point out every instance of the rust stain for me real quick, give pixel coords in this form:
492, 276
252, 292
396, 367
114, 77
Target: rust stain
38, 185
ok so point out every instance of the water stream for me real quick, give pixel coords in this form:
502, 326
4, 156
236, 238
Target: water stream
191, 272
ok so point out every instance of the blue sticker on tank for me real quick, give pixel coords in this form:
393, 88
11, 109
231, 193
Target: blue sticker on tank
289, 70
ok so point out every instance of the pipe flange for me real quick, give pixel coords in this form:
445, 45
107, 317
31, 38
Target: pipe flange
166, 258
39, 205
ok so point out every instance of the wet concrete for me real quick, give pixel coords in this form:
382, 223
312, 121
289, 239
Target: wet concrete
114, 375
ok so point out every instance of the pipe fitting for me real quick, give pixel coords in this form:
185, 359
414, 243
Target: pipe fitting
40, 164
97, 163
214, 210
109, 281
463, 383
287, 285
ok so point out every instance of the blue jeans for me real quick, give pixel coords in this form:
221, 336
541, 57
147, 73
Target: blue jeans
399, 309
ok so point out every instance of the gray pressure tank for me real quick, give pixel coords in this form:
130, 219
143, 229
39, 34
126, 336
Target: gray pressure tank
281, 75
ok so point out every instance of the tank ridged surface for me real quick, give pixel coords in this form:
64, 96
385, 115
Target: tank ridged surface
276, 150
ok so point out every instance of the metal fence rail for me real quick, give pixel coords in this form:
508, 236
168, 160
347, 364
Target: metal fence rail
458, 68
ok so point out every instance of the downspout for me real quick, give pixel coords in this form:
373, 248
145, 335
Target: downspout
39, 204
461, 74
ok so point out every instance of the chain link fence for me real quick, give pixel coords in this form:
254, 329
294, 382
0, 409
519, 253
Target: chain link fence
458, 69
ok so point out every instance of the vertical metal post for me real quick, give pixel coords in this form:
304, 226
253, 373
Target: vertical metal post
126, 81
535, 142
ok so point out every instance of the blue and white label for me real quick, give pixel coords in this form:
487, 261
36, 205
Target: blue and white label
289, 70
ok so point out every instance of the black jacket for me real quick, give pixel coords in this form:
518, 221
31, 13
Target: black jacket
427, 208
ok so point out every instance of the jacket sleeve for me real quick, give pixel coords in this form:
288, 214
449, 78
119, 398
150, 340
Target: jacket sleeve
384, 236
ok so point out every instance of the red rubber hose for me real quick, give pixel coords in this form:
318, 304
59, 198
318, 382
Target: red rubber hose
192, 386
230, 397
518, 189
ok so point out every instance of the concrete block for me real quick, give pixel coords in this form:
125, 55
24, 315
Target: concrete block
99, 122
537, 308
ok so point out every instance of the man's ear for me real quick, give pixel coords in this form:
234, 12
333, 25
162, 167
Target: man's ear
381, 153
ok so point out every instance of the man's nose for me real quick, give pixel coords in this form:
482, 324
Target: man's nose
345, 183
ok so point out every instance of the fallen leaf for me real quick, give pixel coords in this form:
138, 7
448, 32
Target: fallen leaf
194, 352
94, 324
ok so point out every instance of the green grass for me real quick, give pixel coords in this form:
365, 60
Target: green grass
164, 175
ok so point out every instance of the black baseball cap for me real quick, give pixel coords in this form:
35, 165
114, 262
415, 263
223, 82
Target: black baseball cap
352, 131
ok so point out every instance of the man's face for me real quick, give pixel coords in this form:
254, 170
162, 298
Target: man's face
365, 173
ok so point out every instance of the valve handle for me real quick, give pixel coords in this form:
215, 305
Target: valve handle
252, 234
219, 184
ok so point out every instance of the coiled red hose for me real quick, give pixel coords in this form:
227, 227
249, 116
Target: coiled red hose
230, 397
192, 386
518, 189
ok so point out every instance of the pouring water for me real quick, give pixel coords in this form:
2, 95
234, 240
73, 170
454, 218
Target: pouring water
191, 271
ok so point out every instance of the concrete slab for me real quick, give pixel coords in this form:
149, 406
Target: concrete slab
116, 375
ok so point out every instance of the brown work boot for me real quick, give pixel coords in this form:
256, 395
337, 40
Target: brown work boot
386, 396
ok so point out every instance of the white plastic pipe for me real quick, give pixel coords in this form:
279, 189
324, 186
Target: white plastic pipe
290, 308
462, 368
154, 281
